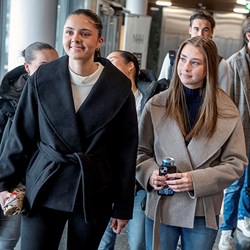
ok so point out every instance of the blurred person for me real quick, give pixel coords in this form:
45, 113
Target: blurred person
34, 55
180, 123
201, 23
236, 209
70, 141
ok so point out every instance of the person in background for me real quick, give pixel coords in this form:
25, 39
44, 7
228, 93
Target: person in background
76, 154
180, 123
236, 200
201, 23
34, 55
128, 64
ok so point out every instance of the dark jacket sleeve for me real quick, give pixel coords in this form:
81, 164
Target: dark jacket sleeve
20, 143
7, 111
125, 158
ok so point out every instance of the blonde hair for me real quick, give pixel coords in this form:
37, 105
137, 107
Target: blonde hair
176, 103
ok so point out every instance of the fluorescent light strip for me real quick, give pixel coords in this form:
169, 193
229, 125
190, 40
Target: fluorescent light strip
242, 2
164, 3
241, 10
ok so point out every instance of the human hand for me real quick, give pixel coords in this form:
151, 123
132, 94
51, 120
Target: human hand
180, 182
117, 225
4, 195
157, 181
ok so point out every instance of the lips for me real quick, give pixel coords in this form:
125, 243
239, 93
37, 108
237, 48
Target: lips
76, 47
186, 76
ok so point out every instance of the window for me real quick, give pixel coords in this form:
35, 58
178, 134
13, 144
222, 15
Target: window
4, 35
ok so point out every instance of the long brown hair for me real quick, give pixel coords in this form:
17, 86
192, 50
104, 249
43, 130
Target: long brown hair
176, 103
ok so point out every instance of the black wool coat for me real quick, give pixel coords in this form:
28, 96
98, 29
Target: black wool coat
67, 157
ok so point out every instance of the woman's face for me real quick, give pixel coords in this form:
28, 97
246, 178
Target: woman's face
191, 67
80, 38
117, 60
41, 57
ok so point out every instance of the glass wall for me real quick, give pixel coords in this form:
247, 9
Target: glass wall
111, 15
4, 35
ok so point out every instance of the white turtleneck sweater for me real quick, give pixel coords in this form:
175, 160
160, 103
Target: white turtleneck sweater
82, 85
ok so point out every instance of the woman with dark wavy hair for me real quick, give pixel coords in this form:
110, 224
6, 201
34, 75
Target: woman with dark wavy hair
70, 141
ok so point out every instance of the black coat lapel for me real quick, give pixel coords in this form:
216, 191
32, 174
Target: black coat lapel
104, 101
55, 97
106, 98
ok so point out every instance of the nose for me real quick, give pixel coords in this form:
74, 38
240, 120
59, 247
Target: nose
187, 67
75, 37
200, 33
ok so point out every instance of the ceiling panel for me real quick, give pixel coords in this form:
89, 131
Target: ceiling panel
212, 5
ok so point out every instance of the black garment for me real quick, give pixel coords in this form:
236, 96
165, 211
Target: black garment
46, 226
56, 159
10, 91
149, 86
194, 102
13, 82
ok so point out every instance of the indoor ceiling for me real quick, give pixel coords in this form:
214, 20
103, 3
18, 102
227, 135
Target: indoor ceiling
211, 5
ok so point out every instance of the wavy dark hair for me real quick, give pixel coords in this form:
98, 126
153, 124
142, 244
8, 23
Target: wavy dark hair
202, 14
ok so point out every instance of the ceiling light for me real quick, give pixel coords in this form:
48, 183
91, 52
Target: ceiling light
163, 3
242, 2
241, 10
155, 9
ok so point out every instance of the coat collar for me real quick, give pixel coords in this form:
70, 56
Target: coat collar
242, 65
13, 82
200, 149
103, 103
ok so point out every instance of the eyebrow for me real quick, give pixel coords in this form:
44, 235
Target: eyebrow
194, 58
84, 29
203, 27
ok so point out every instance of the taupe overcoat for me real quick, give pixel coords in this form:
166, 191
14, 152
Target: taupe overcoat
214, 163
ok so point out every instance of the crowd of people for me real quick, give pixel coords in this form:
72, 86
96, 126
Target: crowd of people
87, 135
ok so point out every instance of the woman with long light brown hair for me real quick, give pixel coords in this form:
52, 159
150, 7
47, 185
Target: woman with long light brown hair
195, 123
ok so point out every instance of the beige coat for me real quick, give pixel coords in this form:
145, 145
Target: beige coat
240, 94
213, 163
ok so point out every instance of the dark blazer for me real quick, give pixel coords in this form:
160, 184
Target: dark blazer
67, 156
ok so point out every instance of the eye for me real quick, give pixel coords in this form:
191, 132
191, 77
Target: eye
69, 32
182, 59
85, 34
196, 63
